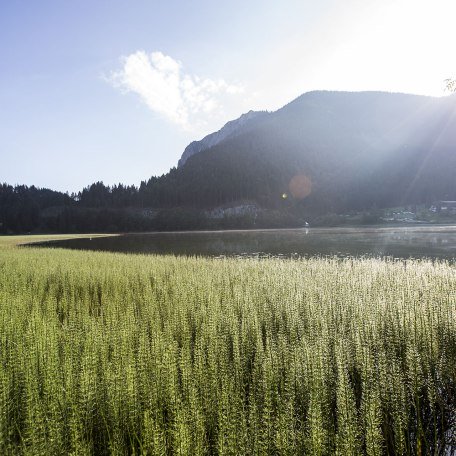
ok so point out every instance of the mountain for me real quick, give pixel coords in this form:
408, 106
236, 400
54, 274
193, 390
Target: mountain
355, 150
324, 153
229, 130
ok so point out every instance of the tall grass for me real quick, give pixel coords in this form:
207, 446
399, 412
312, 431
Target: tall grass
114, 354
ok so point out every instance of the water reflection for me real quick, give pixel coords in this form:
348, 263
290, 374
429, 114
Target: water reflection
435, 242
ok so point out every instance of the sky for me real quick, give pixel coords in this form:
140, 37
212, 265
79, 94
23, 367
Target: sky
114, 90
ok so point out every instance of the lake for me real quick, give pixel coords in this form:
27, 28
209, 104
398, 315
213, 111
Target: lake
399, 242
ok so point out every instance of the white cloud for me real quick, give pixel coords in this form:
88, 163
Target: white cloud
184, 99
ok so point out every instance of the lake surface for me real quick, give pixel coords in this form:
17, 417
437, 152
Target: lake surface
400, 242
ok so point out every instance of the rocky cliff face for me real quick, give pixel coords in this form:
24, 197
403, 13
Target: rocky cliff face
229, 130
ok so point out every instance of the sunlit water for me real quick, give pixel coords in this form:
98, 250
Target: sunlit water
399, 242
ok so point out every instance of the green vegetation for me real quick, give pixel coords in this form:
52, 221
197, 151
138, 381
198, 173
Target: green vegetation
106, 353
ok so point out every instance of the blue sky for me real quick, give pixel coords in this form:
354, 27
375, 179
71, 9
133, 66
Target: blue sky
115, 90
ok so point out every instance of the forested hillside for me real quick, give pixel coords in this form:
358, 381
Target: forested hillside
357, 149
325, 152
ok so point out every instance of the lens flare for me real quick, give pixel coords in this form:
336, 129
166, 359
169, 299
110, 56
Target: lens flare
300, 186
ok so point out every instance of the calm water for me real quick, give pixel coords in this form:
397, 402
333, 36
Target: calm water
402, 242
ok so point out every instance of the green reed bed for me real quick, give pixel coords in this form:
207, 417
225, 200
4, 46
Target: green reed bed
127, 354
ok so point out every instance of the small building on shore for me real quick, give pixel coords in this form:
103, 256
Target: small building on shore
444, 206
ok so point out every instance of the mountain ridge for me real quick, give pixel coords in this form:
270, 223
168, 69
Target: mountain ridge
309, 99
230, 129
341, 139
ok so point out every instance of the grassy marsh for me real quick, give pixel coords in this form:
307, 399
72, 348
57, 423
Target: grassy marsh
104, 353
